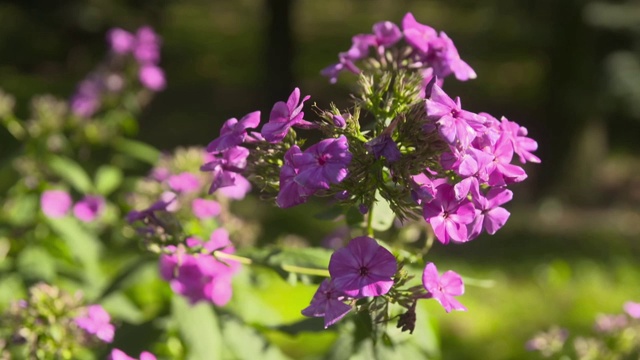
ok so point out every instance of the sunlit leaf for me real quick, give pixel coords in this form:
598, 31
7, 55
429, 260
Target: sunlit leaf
199, 328
382, 214
108, 179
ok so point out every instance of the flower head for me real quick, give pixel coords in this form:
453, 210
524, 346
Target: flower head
234, 132
283, 116
184, 182
205, 209
443, 288
363, 268
324, 163
632, 309
55, 203
448, 215
152, 77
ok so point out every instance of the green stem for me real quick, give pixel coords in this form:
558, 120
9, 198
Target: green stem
370, 221
285, 267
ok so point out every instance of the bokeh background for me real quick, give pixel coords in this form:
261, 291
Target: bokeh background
568, 70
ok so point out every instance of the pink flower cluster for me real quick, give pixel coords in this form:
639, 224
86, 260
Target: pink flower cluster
201, 276
144, 46
430, 52
481, 149
56, 204
303, 173
366, 269
117, 354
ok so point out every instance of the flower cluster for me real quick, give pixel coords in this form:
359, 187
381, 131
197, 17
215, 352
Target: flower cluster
416, 47
175, 219
617, 336
110, 78
54, 322
56, 204
405, 144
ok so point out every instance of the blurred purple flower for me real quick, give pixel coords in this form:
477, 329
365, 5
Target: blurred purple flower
327, 303
147, 46
121, 41
363, 268
96, 322
443, 288
152, 77
55, 203
89, 208
238, 190
184, 182
117, 354
225, 166
632, 309
205, 209
387, 33
417, 35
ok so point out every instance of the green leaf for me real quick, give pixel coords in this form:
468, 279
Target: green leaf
71, 172
244, 343
138, 150
84, 246
199, 328
382, 214
108, 179
36, 263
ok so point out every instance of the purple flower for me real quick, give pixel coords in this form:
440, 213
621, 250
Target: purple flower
291, 192
339, 121
205, 209
225, 166
443, 288
501, 171
445, 60
87, 99
89, 208
234, 132
456, 126
55, 203
363, 268
522, 145
147, 46
324, 163
417, 35
387, 33
489, 214
161, 205
96, 322
283, 116
238, 190
448, 216
608, 323
384, 145
121, 41
184, 182
117, 354
360, 45
327, 303
632, 309
152, 77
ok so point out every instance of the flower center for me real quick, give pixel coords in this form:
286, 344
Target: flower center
364, 271
322, 159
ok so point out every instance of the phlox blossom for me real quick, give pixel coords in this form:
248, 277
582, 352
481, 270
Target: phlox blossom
363, 268
117, 354
443, 288
55, 203
283, 116
89, 208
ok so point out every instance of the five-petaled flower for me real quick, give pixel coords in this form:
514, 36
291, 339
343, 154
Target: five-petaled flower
443, 288
363, 268
327, 302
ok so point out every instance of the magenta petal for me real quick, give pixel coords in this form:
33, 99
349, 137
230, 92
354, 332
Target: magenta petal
494, 219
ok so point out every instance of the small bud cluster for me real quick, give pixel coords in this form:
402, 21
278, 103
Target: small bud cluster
52, 324
617, 336
109, 80
175, 219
